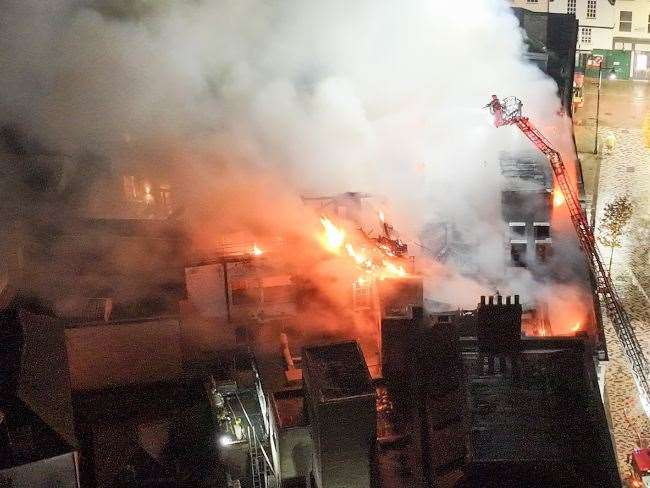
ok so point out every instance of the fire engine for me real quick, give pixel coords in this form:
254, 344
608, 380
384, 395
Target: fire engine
639, 462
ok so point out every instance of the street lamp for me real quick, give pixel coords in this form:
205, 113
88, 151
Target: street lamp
610, 76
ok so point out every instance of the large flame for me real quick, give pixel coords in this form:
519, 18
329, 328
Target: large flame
393, 269
359, 256
558, 197
373, 260
256, 251
333, 238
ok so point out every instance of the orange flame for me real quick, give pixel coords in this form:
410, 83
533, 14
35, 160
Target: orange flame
576, 327
381, 216
393, 269
558, 197
358, 256
257, 251
334, 237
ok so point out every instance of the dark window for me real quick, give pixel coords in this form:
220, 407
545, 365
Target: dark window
542, 231
542, 252
591, 9
518, 254
571, 7
517, 230
625, 21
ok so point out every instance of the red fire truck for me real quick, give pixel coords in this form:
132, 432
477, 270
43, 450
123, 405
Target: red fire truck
639, 462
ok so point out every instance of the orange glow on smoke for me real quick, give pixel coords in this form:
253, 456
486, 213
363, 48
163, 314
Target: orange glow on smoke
569, 309
558, 197
257, 251
381, 216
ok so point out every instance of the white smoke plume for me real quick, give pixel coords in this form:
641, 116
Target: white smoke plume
295, 96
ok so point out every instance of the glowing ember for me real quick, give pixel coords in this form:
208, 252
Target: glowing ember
257, 251
334, 237
558, 197
577, 327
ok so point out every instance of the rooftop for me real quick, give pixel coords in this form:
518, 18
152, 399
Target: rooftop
521, 415
289, 405
525, 171
338, 371
31, 438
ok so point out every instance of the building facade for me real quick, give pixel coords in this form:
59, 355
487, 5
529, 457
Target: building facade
632, 35
596, 19
619, 31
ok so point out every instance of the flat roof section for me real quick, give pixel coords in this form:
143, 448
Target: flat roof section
338, 371
289, 406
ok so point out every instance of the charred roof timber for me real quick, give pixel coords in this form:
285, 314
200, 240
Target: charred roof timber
337, 371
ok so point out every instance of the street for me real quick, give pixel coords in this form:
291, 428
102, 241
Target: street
623, 169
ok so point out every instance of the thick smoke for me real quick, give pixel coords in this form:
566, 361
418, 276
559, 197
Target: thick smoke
251, 103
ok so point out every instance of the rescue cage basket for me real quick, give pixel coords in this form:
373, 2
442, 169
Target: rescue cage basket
511, 107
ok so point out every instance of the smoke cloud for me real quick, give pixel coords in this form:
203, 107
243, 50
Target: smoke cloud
250, 104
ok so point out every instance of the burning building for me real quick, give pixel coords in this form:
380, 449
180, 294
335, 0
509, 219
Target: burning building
341, 280
541, 247
510, 414
522, 431
147, 298
527, 203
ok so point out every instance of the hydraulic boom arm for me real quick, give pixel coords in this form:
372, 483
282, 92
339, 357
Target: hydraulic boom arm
508, 112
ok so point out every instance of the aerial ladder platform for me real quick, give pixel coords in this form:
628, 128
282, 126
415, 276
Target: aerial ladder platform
508, 112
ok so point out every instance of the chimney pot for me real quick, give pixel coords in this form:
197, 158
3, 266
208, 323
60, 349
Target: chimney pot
508, 300
516, 299
482, 299
491, 300
499, 300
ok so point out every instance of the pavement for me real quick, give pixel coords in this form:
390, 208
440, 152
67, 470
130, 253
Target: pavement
623, 169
